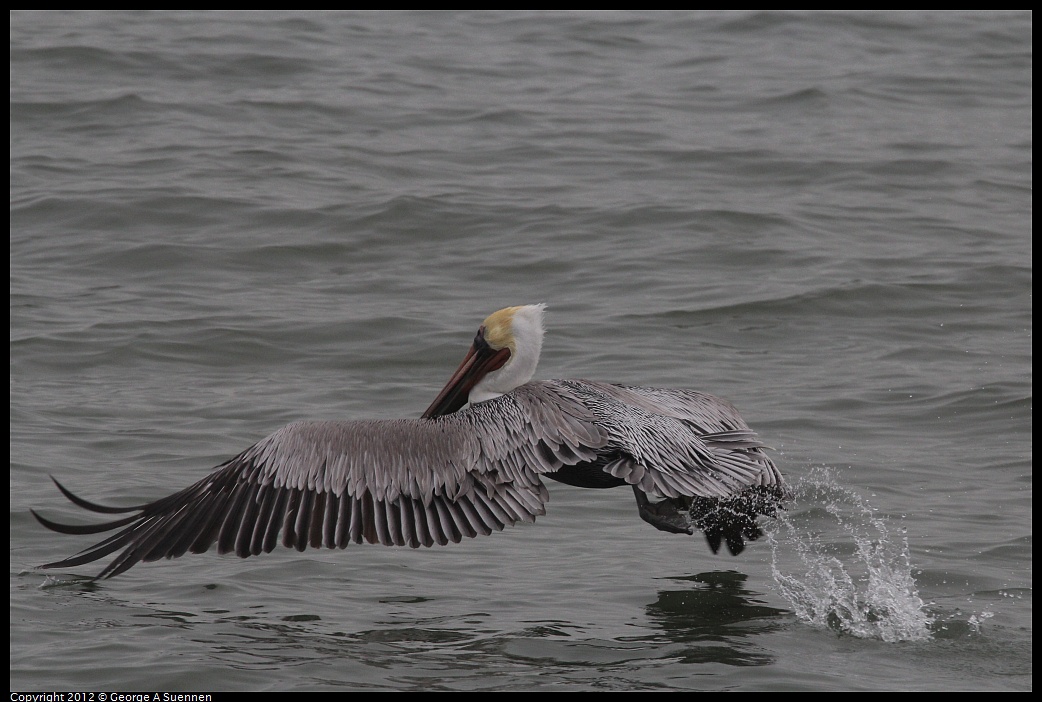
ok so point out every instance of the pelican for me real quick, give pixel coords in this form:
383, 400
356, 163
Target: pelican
471, 464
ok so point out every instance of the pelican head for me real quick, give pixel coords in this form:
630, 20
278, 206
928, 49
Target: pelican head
504, 355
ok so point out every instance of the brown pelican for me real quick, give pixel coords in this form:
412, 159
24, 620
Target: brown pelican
470, 465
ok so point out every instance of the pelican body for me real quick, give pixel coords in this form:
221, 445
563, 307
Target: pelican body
472, 464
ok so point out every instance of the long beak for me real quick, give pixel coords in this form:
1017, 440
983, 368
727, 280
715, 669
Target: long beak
481, 360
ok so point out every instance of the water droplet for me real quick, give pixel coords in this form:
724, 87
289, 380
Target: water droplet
833, 559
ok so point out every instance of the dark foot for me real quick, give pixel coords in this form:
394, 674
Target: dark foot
668, 515
733, 520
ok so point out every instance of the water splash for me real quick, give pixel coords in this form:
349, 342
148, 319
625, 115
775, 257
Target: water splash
835, 562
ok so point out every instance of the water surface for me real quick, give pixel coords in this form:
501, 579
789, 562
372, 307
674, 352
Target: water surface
223, 222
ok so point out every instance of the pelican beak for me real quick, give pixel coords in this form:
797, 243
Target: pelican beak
481, 360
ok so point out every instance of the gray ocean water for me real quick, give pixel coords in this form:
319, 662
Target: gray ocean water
224, 222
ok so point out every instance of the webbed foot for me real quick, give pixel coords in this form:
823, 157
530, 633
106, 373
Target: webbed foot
671, 514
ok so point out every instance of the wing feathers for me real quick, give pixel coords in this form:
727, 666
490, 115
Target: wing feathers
434, 481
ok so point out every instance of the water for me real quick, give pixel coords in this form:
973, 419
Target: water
861, 584
221, 223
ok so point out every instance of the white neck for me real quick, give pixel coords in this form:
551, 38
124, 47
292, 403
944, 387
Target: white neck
525, 344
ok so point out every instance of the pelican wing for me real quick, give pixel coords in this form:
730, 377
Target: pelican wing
677, 443
414, 482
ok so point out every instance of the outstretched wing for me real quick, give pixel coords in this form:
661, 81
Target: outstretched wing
677, 443
408, 482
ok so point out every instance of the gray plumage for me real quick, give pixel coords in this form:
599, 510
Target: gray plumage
420, 482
